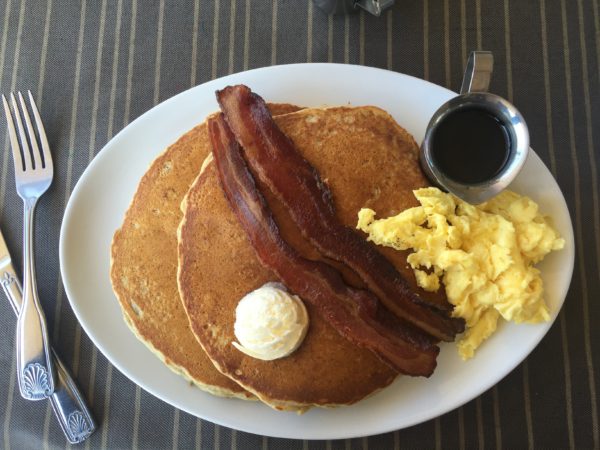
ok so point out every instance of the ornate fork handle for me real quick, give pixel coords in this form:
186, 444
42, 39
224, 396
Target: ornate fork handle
34, 366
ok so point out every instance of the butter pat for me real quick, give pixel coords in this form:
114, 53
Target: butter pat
270, 323
484, 255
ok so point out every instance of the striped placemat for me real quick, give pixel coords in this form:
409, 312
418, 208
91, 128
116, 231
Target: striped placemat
95, 65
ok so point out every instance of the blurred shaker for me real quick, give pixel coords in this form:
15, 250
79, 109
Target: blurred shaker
375, 7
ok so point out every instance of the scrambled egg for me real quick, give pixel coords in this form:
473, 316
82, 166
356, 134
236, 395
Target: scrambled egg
483, 254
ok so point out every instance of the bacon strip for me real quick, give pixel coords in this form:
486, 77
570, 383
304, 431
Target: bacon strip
352, 312
296, 183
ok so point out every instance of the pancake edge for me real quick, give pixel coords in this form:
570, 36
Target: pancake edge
176, 368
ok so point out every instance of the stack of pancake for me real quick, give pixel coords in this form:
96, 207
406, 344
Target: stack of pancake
181, 261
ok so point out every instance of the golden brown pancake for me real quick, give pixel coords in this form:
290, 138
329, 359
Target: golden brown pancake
368, 161
144, 263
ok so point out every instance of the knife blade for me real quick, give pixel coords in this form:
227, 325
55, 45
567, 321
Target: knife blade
69, 406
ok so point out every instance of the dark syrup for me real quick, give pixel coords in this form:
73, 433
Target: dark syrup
470, 146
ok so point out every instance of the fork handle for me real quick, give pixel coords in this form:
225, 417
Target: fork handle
35, 371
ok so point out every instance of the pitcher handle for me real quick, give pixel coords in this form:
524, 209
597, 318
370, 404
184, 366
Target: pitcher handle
478, 72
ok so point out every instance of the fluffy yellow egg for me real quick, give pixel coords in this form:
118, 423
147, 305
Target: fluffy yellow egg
483, 254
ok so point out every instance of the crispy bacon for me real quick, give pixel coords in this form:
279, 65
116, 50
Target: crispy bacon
352, 312
296, 183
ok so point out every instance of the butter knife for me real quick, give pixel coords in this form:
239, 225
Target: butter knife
67, 402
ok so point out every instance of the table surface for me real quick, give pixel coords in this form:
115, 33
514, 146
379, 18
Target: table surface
93, 66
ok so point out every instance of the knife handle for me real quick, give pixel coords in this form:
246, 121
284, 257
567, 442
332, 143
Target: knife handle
68, 404
11, 288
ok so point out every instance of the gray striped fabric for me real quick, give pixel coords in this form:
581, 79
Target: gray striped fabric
95, 65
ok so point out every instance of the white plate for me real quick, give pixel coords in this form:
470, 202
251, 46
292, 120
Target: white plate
99, 201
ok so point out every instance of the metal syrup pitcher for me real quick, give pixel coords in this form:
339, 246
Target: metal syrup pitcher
474, 95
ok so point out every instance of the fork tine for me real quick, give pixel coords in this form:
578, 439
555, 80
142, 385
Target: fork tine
41, 132
37, 157
24, 144
12, 133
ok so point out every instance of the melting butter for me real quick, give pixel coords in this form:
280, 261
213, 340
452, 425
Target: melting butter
270, 323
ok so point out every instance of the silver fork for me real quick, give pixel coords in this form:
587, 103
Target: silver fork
33, 176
